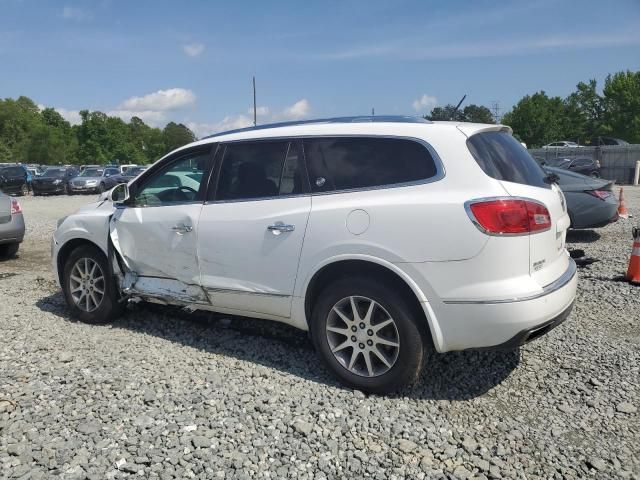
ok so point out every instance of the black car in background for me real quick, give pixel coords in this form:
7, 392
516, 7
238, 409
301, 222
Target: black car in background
54, 180
584, 165
13, 180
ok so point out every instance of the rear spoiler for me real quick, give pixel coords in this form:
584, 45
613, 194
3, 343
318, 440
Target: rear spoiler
469, 129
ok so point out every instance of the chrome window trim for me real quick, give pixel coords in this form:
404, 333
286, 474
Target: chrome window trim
474, 220
439, 175
557, 284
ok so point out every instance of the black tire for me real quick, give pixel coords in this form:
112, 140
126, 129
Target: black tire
110, 307
101, 188
24, 190
35, 194
595, 175
414, 345
9, 250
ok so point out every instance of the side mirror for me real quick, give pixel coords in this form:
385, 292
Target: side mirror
119, 194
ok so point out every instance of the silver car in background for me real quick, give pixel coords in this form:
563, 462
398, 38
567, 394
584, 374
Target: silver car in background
94, 180
11, 226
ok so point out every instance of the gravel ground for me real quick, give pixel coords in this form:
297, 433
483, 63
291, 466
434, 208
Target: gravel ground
162, 393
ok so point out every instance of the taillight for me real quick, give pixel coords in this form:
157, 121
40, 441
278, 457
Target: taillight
601, 194
509, 216
15, 207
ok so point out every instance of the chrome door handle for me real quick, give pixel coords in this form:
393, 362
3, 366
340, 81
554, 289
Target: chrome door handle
181, 229
278, 228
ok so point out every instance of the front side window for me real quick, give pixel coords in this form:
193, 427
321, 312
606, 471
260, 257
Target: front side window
111, 171
177, 182
260, 170
345, 163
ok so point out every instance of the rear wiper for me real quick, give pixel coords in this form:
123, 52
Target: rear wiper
551, 178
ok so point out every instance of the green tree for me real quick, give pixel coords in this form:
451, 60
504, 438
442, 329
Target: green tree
176, 135
622, 105
539, 119
586, 108
470, 113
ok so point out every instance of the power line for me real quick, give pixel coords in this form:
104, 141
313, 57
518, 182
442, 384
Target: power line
495, 111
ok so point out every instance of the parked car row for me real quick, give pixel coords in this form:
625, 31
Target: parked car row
594, 142
68, 180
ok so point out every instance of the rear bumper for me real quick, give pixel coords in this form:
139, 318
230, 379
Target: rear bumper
486, 324
13, 231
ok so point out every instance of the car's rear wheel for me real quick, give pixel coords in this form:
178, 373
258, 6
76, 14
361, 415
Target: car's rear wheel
89, 290
368, 336
8, 250
24, 190
595, 175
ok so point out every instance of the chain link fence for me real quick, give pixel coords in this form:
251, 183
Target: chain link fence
617, 162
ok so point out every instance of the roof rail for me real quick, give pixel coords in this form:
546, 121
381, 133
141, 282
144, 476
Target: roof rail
362, 119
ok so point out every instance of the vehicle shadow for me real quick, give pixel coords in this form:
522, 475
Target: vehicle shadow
450, 376
582, 236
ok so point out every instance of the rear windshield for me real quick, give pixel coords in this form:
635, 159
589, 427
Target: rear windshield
12, 171
502, 157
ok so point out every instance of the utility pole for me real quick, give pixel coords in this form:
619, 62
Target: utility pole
255, 112
495, 111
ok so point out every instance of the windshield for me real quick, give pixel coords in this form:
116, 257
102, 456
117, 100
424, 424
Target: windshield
92, 172
54, 172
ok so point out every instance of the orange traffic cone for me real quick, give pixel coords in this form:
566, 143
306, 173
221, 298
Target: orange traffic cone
633, 273
622, 208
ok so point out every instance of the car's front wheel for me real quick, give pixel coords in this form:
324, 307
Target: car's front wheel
367, 334
89, 290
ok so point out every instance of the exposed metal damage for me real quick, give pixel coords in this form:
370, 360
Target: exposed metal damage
153, 289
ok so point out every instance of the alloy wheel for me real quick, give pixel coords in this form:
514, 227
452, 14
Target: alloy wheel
87, 284
363, 336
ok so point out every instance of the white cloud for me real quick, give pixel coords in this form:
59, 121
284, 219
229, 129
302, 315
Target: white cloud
77, 14
423, 49
161, 100
297, 111
193, 49
230, 122
260, 111
425, 102
71, 116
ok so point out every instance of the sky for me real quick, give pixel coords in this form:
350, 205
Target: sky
192, 61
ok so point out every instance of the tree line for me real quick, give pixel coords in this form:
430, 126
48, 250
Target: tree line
582, 116
31, 135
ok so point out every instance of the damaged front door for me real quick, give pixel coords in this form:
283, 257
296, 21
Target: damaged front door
155, 233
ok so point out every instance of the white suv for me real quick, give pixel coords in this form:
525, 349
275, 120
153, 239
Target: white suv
385, 237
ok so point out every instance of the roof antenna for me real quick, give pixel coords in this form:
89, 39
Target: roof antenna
453, 114
255, 113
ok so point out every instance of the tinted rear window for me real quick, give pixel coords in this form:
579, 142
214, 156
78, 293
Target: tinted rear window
345, 163
502, 157
13, 172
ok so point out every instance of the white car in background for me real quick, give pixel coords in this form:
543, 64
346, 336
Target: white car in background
386, 237
563, 144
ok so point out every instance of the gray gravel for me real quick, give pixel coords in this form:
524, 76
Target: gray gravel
162, 393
